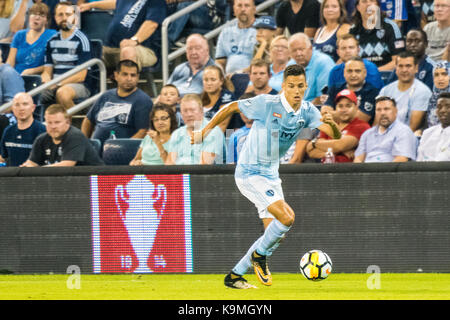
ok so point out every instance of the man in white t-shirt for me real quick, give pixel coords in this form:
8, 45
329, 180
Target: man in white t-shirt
411, 95
438, 32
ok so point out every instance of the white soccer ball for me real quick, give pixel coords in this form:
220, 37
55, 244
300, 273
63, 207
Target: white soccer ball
315, 265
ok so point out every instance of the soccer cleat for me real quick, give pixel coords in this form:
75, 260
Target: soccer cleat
261, 269
238, 283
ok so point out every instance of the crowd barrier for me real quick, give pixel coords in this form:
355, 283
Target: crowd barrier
192, 219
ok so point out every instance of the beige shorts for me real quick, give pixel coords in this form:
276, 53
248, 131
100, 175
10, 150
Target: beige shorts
145, 57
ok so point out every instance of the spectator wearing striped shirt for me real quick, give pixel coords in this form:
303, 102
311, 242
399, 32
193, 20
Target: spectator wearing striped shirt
66, 50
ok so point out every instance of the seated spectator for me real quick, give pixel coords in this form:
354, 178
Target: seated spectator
380, 38
12, 17
348, 123
188, 76
416, 43
238, 137
181, 151
62, 145
426, 12
265, 32
11, 82
18, 138
354, 74
52, 5
170, 96
236, 42
27, 50
154, 146
217, 91
317, 65
438, 31
279, 56
134, 32
411, 95
390, 140
347, 48
65, 50
298, 16
259, 78
435, 142
441, 78
334, 24
124, 110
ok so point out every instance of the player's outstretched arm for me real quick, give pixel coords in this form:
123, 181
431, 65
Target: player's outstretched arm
329, 127
221, 115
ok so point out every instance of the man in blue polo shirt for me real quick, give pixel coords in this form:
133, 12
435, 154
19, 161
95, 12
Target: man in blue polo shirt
355, 75
18, 138
317, 65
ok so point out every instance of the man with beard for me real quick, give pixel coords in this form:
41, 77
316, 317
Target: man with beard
416, 43
234, 50
18, 138
435, 142
124, 110
66, 50
259, 77
62, 145
390, 140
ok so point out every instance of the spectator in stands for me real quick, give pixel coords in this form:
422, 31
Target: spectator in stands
217, 91
348, 123
411, 95
27, 50
134, 32
298, 16
18, 138
124, 110
170, 96
380, 38
66, 50
188, 76
154, 146
62, 145
265, 32
441, 75
347, 48
317, 65
333, 17
11, 82
181, 151
435, 142
237, 138
438, 31
259, 78
416, 43
279, 56
236, 42
426, 12
52, 5
12, 17
390, 140
354, 74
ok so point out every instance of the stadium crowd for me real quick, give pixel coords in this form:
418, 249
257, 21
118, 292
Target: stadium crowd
379, 68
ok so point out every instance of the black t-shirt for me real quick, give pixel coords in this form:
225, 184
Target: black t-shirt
74, 146
379, 45
307, 17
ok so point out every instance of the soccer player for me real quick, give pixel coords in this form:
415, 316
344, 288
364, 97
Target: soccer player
278, 120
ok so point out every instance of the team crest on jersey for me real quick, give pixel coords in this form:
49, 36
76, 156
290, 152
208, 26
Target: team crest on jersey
368, 106
270, 193
60, 151
422, 74
300, 122
48, 152
380, 33
277, 115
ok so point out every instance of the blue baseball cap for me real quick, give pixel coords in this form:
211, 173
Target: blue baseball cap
266, 22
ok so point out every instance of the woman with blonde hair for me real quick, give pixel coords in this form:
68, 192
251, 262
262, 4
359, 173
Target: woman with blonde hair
279, 56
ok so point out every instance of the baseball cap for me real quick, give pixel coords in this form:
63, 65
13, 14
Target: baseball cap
346, 94
266, 22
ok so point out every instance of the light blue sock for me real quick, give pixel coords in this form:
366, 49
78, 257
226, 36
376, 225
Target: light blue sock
245, 263
271, 237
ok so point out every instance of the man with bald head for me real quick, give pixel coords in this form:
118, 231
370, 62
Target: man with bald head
317, 65
18, 138
187, 77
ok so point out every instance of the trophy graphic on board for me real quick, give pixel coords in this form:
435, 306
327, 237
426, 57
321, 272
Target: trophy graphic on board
141, 219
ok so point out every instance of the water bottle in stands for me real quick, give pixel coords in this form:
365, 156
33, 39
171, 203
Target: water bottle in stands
329, 156
112, 135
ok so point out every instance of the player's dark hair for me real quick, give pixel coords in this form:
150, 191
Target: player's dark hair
293, 70
127, 63
407, 54
166, 108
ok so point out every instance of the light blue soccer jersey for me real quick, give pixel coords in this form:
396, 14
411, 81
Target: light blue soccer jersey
275, 127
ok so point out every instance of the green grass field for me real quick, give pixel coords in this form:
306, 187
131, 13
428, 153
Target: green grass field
210, 287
